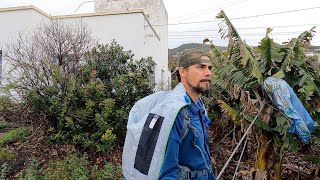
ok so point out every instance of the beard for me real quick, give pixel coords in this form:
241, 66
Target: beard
199, 89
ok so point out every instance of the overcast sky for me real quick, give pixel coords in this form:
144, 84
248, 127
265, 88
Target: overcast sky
288, 18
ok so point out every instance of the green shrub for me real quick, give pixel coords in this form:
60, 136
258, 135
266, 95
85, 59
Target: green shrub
92, 107
13, 135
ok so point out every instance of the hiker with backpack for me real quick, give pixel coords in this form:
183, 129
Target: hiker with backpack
167, 135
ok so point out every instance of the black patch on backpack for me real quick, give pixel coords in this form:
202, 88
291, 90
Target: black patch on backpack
147, 142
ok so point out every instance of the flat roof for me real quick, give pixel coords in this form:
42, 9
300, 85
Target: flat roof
18, 8
70, 15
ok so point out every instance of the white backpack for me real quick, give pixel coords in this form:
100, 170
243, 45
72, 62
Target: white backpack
148, 129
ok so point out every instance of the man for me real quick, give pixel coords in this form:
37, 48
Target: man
187, 155
166, 132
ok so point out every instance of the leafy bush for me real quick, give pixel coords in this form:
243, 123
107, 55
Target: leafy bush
83, 92
125, 80
92, 110
13, 135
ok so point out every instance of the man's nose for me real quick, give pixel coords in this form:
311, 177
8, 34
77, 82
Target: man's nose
208, 72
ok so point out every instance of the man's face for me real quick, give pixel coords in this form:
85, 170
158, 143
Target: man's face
197, 77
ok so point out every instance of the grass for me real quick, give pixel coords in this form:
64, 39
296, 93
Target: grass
312, 158
73, 166
108, 171
13, 135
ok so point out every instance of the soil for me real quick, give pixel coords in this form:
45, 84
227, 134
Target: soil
294, 165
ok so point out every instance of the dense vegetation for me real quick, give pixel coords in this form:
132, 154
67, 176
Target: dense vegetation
67, 102
76, 93
238, 89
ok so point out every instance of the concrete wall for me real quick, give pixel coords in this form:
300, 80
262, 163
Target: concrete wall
13, 23
19, 21
158, 17
154, 9
130, 29
126, 29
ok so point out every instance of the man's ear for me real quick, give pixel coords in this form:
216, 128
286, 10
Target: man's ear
183, 72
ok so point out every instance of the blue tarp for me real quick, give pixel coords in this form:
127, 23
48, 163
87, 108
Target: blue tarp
284, 98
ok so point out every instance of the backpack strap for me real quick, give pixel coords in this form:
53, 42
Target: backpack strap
186, 122
184, 172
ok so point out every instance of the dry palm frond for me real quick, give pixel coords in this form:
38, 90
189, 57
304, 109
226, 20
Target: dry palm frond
247, 104
266, 114
234, 91
230, 112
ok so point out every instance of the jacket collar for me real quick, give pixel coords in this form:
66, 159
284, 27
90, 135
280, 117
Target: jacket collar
196, 107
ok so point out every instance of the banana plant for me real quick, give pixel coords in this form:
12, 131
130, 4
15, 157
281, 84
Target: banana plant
238, 75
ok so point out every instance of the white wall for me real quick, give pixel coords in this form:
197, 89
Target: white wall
126, 29
14, 23
158, 18
130, 29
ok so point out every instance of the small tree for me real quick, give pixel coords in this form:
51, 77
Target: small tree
49, 56
125, 80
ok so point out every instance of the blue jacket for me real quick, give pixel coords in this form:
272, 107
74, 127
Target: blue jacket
183, 152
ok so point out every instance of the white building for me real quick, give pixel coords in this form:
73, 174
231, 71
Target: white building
130, 23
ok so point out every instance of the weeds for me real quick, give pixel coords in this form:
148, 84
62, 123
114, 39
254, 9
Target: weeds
3, 125
6, 154
4, 169
72, 167
109, 171
13, 135
312, 158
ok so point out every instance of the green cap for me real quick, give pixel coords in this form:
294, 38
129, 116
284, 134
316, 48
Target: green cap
193, 56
